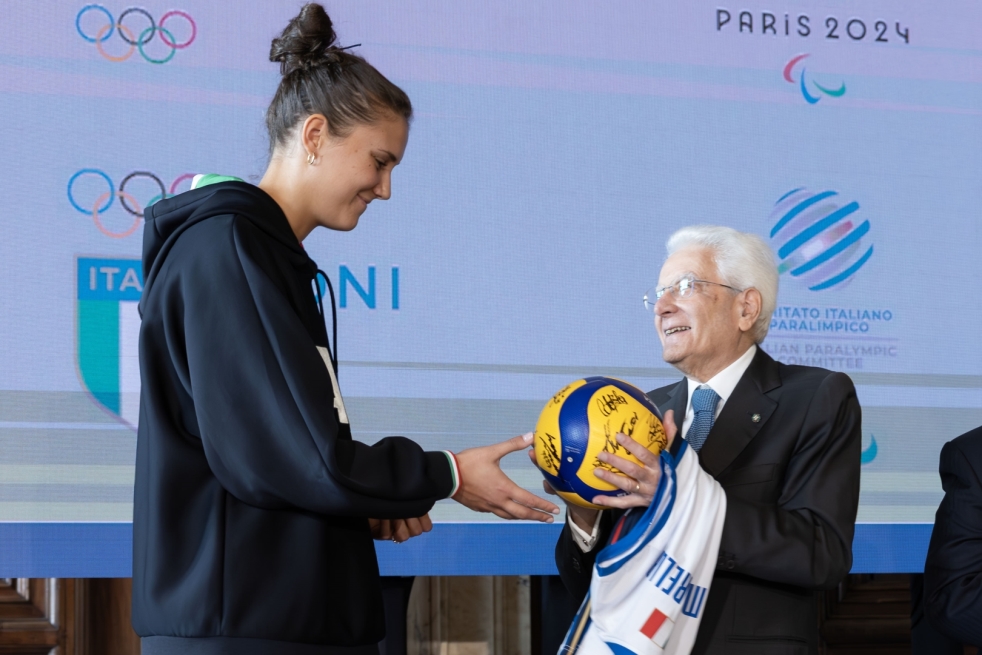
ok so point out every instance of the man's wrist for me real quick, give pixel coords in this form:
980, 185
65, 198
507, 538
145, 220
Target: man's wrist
583, 519
585, 538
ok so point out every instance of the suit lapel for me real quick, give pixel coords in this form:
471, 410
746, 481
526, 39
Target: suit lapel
678, 400
744, 414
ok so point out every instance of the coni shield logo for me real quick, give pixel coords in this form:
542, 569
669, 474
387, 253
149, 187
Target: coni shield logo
108, 333
137, 30
802, 81
819, 238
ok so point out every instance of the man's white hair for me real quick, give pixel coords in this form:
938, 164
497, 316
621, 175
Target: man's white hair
742, 260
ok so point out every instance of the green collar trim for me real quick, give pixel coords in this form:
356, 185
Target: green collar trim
211, 178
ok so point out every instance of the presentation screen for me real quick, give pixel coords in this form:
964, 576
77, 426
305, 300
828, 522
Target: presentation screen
555, 147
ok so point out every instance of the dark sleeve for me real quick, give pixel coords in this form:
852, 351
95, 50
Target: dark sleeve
805, 539
575, 566
264, 400
953, 570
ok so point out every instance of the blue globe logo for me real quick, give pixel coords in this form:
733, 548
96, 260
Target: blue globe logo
819, 238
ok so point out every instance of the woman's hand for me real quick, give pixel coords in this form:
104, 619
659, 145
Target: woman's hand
641, 482
399, 530
485, 488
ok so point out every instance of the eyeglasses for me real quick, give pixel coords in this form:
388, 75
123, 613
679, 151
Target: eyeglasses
683, 288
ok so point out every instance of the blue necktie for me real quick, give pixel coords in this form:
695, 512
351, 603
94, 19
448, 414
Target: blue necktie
704, 402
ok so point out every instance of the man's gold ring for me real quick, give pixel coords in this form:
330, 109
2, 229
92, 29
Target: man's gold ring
637, 487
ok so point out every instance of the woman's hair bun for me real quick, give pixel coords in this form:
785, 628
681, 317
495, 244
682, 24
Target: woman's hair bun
321, 78
306, 41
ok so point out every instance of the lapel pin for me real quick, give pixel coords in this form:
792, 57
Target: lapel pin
755, 418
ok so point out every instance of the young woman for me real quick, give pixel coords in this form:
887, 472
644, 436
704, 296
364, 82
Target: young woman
255, 510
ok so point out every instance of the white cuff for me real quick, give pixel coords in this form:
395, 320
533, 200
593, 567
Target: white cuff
585, 541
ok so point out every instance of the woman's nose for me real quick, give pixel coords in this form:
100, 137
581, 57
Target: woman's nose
384, 188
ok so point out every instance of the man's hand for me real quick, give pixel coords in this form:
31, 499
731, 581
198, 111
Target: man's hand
641, 482
399, 530
485, 488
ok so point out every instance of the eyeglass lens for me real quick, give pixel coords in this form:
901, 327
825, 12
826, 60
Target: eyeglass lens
681, 289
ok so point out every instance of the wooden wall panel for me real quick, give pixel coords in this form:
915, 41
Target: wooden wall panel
42, 616
470, 615
109, 629
866, 615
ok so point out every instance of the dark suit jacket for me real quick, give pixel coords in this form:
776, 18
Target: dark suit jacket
791, 479
953, 571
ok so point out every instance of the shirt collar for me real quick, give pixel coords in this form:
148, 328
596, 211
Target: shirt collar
724, 382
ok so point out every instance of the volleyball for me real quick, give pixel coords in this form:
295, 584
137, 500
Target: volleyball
583, 420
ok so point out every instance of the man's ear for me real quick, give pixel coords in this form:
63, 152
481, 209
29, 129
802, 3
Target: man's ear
750, 308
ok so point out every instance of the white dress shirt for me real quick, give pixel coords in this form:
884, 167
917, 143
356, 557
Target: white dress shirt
723, 383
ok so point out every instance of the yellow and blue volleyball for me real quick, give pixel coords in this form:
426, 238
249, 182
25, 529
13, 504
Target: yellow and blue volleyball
583, 420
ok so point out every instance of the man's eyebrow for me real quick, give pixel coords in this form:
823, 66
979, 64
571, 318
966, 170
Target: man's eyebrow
682, 275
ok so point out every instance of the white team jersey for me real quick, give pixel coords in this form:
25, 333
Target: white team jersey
649, 586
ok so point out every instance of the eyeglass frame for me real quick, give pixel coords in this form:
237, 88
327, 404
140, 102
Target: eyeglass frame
677, 290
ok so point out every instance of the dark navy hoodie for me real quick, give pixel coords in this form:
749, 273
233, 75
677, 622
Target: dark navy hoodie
250, 530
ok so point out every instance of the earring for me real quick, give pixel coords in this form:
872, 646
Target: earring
310, 158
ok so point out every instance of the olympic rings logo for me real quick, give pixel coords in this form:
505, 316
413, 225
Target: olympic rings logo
129, 203
135, 37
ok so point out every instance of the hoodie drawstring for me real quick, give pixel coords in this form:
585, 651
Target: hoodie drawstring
332, 346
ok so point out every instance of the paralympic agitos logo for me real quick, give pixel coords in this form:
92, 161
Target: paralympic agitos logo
811, 97
135, 30
93, 193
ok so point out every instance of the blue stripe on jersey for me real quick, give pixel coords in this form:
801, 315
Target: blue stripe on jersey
683, 444
614, 556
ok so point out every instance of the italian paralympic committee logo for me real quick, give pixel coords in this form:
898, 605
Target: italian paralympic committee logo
108, 333
92, 192
810, 98
136, 29
818, 238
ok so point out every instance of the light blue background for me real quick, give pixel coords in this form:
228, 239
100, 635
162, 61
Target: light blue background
554, 149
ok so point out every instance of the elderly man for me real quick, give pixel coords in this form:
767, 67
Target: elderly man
782, 441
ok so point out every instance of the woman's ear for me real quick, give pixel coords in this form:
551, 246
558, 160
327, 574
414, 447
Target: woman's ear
314, 134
